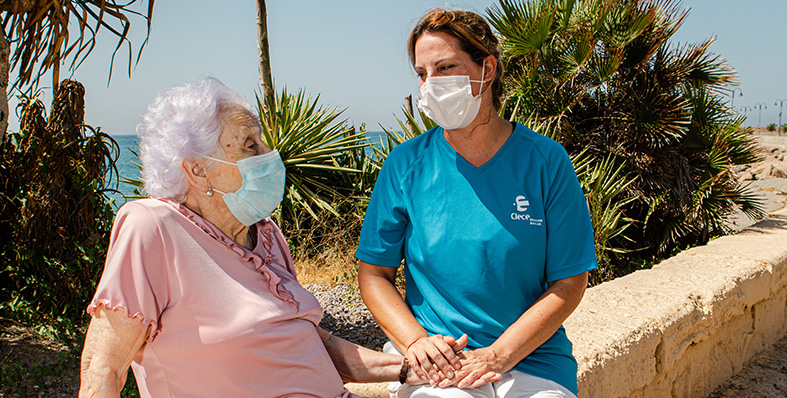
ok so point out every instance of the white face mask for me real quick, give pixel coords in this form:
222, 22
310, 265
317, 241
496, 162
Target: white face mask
262, 188
449, 100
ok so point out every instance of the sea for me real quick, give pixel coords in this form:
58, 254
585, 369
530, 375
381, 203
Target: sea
127, 166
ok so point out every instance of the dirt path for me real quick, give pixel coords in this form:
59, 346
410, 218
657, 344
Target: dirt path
33, 366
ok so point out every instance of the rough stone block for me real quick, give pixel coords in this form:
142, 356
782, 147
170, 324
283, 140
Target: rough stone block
369, 390
721, 287
614, 341
769, 317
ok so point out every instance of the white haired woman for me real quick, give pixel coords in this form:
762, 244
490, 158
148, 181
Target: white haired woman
199, 295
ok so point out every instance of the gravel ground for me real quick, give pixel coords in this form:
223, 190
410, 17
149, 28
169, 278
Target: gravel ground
345, 315
33, 366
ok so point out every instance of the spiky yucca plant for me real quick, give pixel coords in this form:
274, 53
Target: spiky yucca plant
410, 127
328, 172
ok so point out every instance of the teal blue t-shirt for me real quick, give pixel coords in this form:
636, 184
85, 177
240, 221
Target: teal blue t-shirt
481, 244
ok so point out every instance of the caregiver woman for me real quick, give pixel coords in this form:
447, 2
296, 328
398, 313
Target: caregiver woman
491, 223
199, 293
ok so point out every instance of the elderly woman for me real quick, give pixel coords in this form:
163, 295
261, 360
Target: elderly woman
492, 225
199, 294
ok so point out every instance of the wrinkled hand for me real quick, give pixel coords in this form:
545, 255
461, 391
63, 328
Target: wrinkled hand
478, 368
435, 357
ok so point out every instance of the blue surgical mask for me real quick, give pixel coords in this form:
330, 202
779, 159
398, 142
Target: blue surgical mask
262, 188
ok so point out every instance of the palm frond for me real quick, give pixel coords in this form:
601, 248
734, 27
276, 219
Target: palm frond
41, 41
526, 26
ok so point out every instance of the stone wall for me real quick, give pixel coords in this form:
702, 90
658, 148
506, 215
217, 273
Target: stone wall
683, 327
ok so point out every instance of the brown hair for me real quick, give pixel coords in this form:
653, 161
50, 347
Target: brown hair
474, 35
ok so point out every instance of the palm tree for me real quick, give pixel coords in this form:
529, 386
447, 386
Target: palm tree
40, 41
328, 172
605, 79
266, 76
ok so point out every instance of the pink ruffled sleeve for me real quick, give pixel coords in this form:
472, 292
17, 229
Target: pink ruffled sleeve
135, 274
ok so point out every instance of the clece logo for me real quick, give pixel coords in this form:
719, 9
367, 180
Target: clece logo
522, 205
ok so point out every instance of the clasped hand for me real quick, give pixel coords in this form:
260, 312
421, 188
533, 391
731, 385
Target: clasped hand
440, 361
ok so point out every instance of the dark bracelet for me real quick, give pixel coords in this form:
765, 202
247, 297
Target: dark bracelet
403, 371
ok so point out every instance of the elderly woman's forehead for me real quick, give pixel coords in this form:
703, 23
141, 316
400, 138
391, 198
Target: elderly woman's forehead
238, 116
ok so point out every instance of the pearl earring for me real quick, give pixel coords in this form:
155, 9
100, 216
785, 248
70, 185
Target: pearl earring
209, 192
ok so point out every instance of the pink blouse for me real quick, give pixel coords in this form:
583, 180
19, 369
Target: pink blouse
225, 321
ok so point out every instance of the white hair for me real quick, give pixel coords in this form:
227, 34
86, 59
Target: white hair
182, 123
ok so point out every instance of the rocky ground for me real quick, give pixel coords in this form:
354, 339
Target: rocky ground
33, 366
768, 178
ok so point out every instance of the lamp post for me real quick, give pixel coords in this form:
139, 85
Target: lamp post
780, 102
745, 110
732, 94
760, 106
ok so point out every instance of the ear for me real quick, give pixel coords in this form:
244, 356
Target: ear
195, 174
490, 67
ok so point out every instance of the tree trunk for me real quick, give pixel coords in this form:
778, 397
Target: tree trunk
5, 51
408, 106
266, 79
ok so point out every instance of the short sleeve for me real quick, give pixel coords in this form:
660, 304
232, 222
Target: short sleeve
135, 272
385, 223
570, 243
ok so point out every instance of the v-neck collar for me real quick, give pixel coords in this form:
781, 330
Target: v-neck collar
463, 163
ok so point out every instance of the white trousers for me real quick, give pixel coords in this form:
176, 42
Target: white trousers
513, 384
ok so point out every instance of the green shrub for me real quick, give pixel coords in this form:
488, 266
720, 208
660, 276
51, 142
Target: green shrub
771, 127
54, 217
605, 79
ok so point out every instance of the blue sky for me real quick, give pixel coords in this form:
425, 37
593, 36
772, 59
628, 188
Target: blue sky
352, 53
